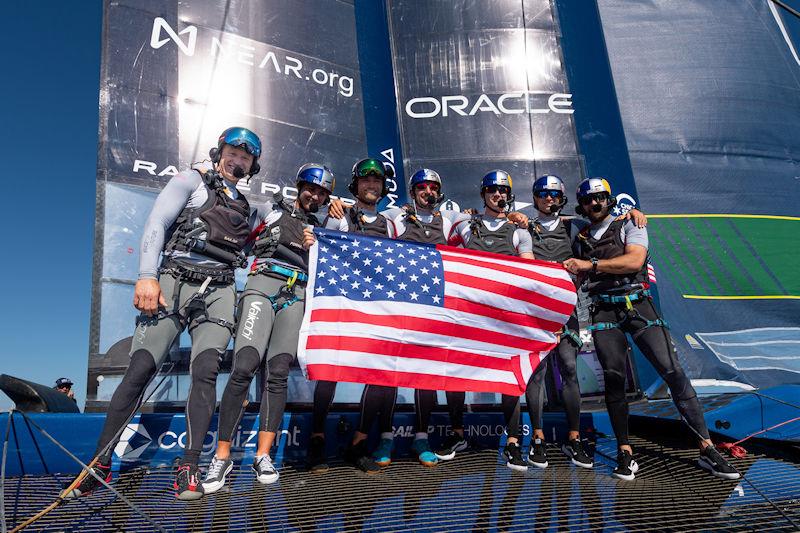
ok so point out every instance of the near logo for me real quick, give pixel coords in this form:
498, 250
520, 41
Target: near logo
133, 443
157, 42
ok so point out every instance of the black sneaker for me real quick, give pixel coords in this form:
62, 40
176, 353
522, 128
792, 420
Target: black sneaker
317, 458
89, 483
187, 482
626, 466
574, 450
215, 477
537, 455
452, 444
513, 456
712, 460
359, 457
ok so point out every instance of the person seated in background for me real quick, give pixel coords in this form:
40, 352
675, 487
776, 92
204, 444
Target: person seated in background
64, 386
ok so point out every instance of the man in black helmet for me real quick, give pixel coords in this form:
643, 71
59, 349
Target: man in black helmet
199, 223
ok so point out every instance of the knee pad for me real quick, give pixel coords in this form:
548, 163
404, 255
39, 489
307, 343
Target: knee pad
615, 386
245, 364
141, 368
278, 372
205, 367
679, 385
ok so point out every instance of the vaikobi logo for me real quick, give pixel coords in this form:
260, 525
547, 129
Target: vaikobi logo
232, 48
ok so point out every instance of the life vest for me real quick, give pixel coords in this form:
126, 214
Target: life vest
377, 228
424, 232
218, 229
499, 241
608, 246
283, 238
555, 245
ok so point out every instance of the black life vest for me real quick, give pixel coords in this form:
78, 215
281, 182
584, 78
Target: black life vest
285, 236
555, 245
218, 229
608, 246
377, 228
424, 232
499, 241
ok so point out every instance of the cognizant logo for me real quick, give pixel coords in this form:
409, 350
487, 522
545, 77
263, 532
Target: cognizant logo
503, 104
241, 51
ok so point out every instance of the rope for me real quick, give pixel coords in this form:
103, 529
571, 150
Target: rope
737, 451
87, 469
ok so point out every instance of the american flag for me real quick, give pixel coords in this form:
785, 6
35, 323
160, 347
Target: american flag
397, 313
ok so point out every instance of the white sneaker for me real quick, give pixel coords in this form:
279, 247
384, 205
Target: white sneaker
215, 477
265, 470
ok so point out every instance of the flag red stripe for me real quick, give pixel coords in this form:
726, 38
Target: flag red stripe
426, 325
521, 319
497, 287
401, 349
408, 379
561, 283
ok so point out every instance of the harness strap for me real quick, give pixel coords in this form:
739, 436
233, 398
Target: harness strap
573, 336
600, 326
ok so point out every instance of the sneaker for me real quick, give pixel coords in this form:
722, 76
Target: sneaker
513, 456
626, 466
537, 455
357, 456
187, 482
712, 460
317, 458
89, 483
574, 450
265, 470
215, 477
452, 444
424, 454
383, 453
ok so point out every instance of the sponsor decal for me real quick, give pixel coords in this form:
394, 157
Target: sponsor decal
239, 50
252, 314
133, 442
504, 104
625, 203
391, 183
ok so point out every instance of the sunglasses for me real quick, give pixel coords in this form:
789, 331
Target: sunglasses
491, 189
599, 197
426, 185
548, 194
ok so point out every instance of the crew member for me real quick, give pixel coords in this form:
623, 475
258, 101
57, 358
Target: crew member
368, 185
490, 232
613, 254
200, 223
271, 311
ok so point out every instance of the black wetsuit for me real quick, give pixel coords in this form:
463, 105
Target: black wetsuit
622, 305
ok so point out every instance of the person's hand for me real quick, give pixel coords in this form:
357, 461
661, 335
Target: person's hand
71, 394
638, 218
147, 296
519, 219
336, 208
576, 266
470, 211
308, 238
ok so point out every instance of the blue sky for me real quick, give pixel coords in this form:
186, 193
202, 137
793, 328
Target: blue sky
51, 73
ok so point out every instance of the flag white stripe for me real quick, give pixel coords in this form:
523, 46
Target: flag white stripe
498, 300
513, 280
553, 270
433, 313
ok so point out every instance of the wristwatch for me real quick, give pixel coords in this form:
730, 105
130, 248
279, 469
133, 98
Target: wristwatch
594, 261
